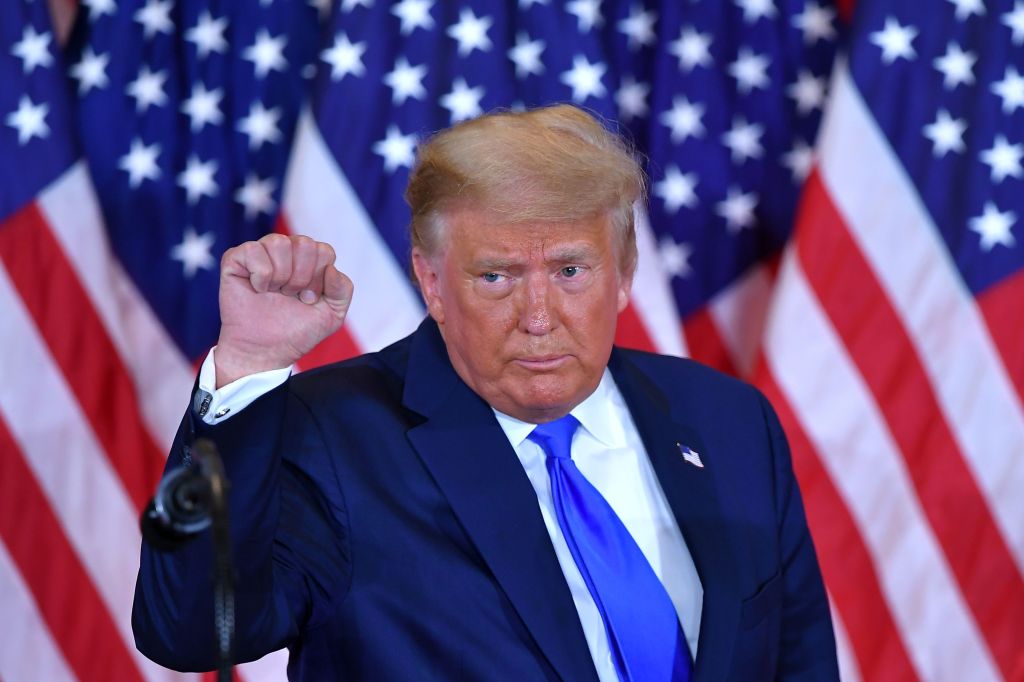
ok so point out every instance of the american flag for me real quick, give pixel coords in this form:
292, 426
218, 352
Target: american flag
841, 230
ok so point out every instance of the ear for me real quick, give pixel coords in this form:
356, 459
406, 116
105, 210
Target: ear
622, 295
428, 275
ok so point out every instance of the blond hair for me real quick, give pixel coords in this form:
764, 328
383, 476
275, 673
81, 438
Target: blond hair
555, 163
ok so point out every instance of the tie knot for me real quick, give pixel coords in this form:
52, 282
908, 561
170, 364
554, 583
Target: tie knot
555, 438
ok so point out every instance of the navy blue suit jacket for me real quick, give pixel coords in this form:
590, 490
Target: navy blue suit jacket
384, 529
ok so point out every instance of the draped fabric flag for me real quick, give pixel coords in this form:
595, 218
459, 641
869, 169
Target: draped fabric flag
166, 131
894, 350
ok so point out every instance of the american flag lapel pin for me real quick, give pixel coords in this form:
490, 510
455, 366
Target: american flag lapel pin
690, 455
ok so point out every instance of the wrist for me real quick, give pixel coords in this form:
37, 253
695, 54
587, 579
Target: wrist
232, 362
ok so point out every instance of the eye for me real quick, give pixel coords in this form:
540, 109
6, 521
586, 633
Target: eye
571, 271
491, 277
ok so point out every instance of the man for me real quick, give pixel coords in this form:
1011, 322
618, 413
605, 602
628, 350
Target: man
501, 495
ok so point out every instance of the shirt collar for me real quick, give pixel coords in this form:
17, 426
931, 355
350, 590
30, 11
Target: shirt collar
598, 414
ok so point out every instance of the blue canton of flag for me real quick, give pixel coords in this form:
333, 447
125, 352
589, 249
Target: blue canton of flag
965, 130
186, 112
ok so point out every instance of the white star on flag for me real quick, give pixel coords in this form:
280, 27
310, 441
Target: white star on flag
816, 23
638, 27
631, 99
753, 10
684, 119
140, 163
896, 41
749, 70
260, 125
463, 102
744, 140
99, 8
29, 119
208, 35
994, 227
526, 55
1004, 159
946, 134
471, 32
345, 57
414, 14
587, 13
692, 48
738, 209
33, 50
148, 89
585, 79
807, 91
956, 66
799, 161
91, 71
194, 252
1010, 90
396, 149
677, 189
966, 8
257, 196
203, 107
197, 179
155, 17
675, 257
406, 81
266, 54
1015, 20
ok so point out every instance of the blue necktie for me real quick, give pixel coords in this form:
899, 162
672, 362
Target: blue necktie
646, 638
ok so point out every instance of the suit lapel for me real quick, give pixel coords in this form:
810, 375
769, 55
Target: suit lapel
473, 464
690, 492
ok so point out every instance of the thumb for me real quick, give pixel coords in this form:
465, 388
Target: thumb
338, 290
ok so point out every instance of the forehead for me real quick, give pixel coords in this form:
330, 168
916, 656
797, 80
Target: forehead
474, 233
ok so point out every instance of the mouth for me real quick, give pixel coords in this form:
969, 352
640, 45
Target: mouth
542, 363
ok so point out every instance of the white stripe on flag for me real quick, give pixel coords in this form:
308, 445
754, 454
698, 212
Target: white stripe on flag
739, 314
903, 246
319, 202
27, 650
652, 295
271, 668
160, 373
842, 421
63, 454
848, 670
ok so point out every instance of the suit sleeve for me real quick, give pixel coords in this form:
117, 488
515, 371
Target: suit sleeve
807, 646
288, 541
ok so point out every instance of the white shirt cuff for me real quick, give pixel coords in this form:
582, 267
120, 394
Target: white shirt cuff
215, 405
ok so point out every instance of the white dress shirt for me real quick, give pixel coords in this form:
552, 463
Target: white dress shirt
607, 450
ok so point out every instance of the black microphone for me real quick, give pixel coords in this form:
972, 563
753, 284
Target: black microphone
180, 509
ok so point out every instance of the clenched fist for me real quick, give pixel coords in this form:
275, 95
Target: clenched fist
279, 297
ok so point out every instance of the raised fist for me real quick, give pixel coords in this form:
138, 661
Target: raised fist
279, 297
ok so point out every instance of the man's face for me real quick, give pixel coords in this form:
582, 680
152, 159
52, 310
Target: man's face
527, 311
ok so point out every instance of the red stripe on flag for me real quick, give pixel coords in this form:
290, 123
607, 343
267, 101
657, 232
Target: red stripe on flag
879, 345
338, 346
79, 344
1002, 306
63, 591
631, 332
705, 342
845, 561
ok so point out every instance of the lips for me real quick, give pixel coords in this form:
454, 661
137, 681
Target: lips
541, 363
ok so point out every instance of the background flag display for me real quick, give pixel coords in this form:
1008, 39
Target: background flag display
835, 213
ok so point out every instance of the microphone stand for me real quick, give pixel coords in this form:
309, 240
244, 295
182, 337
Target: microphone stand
188, 501
223, 566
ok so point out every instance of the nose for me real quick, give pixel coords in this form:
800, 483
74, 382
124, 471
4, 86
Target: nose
538, 315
